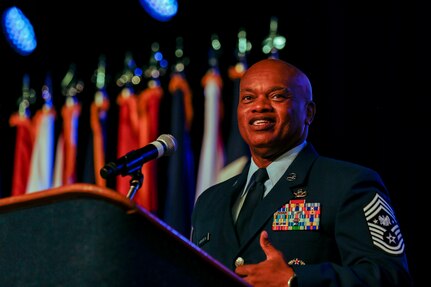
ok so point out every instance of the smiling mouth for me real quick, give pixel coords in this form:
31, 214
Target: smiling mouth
262, 123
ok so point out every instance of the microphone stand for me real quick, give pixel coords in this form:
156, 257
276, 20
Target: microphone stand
135, 182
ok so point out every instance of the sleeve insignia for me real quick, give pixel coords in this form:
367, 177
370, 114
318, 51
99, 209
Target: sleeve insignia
383, 226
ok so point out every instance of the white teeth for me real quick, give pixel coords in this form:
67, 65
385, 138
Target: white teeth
260, 122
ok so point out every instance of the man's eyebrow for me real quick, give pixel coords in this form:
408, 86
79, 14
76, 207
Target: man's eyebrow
273, 89
276, 89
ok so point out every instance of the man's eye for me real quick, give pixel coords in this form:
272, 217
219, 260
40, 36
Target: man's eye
278, 96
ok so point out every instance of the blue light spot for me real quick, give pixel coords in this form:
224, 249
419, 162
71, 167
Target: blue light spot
161, 10
18, 31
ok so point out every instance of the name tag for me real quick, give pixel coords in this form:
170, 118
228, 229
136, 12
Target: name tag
204, 240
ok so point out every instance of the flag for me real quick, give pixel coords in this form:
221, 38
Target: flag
23, 150
59, 162
128, 131
148, 116
96, 148
212, 157
42, 160
181, 171
237, 150
66, 151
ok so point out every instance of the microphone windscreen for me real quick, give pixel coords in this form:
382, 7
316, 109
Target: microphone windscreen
170, 143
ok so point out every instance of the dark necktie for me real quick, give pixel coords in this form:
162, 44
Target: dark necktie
254, 195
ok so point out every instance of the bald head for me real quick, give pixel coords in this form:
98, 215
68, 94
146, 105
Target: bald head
297, 80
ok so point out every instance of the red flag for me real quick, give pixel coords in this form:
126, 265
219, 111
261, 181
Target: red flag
23, 151
65, 162
148, 111
70, 113
128, 131
98, 114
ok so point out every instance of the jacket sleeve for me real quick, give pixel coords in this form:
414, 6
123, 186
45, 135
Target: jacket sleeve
368, 237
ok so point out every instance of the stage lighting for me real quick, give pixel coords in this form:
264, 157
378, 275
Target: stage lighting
161, 10
18, 31
274, 42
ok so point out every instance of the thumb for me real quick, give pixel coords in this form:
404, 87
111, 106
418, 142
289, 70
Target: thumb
266, 245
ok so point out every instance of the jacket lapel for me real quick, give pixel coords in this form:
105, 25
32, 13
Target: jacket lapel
237, 187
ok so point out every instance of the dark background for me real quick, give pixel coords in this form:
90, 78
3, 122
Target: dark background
365, 59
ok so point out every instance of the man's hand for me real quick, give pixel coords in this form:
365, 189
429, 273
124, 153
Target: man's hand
273, 272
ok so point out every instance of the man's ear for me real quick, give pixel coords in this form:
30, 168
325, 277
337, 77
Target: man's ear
311, 111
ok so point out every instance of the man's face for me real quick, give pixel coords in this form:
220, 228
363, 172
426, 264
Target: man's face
272, 111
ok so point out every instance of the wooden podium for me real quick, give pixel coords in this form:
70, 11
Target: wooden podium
85, 235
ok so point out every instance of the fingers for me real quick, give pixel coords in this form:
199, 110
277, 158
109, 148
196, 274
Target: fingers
243, 270
264, 238
266, 245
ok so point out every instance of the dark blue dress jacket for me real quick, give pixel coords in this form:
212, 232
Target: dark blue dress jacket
331, 219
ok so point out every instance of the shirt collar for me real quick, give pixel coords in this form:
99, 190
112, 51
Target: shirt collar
277, 168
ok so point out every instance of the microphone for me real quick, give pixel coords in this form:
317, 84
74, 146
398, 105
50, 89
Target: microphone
164, 145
